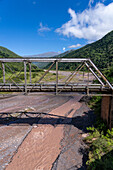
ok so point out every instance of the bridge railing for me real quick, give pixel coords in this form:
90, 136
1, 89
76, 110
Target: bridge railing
15, 73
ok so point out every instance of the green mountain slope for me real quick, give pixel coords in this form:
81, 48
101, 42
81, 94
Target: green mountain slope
5, 53
100, 52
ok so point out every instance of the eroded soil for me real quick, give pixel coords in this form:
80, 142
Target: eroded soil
42, 132
16, 123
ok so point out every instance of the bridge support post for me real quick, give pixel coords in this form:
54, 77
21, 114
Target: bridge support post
30, 72
111, 113
25, 77
3, 69
56, 77
107, 110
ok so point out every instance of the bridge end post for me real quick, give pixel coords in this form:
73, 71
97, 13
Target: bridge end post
107, 110
3, 70
56, 77
25, 78
30, 72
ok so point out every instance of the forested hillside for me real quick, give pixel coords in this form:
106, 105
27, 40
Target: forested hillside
100, 52
6, 53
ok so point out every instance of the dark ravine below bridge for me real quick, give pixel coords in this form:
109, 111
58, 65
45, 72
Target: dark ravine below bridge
47, 136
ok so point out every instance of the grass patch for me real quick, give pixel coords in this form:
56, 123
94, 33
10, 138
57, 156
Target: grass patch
35, 76
99, 141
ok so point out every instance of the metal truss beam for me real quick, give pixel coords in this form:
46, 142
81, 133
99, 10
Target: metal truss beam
44, 60
57, 87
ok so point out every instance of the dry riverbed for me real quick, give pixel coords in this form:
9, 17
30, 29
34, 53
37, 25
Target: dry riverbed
80, 77
43, 132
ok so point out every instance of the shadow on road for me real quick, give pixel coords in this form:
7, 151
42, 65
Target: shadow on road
80, 121
30, 118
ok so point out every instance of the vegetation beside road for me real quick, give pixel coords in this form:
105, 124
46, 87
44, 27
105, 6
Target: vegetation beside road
35, 76
99, 141
109, 73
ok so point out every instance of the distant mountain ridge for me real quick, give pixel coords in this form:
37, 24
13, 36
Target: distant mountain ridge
43, 65
47, 54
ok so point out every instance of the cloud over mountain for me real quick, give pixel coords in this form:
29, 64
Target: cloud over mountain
91, 24
75, 46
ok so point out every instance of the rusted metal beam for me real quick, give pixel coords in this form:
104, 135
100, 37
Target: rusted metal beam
50, 84
73, 74
57, 87
14, 73
83, 75
43, 75
14, 83
43, 60
94, 74
90, 95
56, 77
29, 72
46, 72
81, 87
3, 69
109, 84
88, 76
25, 77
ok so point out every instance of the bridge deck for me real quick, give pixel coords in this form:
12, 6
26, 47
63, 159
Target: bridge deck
52, 88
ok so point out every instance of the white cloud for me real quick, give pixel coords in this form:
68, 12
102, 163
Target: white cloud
43, 28
90, 2
64, 48
75, 46
91, 24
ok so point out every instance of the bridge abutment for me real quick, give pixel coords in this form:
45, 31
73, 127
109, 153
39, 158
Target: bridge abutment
107, 110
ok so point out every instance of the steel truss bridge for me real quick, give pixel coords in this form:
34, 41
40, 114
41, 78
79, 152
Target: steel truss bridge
23, 80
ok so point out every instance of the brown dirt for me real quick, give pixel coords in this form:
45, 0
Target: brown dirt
14, 130
78, 78
42, 146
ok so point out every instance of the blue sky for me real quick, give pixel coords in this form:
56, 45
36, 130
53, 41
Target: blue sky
37, 26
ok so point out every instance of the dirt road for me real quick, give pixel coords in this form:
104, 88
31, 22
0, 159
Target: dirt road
41, 132
79, 78
13, 130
